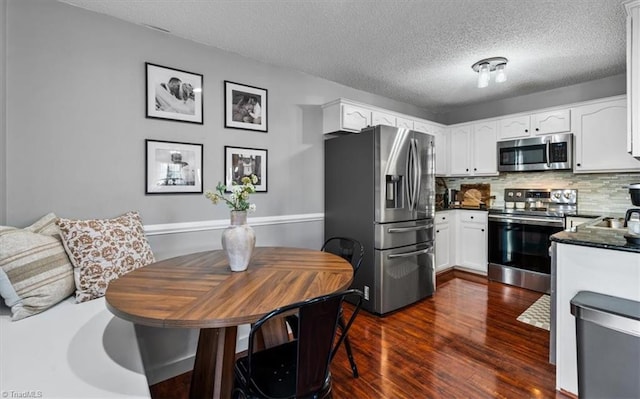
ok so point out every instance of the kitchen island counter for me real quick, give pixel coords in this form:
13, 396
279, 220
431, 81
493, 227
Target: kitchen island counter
597, 238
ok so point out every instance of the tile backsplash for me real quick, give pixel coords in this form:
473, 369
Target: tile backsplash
598, 193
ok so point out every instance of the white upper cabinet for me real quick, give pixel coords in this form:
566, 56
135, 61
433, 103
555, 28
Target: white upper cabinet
404, 123
484, 149
381, 118
473, 149
460, 146
513, 128
355, 118
633, 77
550, 122
344, 115
600, 138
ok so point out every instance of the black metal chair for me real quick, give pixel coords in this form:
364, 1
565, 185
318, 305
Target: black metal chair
353, 251
298, 368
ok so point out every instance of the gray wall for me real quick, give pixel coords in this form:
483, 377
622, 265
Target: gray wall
611, 86
76, 119
3, 119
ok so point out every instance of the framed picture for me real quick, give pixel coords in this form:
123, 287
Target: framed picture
173, 168
245, 107
173, 94
240, 162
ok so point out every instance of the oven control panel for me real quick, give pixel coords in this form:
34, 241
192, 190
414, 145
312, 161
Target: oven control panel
545, 196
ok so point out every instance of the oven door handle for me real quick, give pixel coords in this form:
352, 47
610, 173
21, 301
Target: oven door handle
527, 220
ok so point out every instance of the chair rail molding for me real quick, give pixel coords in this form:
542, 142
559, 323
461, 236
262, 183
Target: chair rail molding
221, 224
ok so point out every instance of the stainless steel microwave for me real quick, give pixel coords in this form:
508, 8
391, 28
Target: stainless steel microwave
552, 152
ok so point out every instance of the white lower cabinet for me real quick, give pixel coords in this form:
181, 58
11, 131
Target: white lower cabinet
471, 240
444, 239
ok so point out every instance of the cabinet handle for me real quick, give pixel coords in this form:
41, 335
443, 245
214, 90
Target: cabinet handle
474, 169
437, 231
471, 217
577, 164
482, 230
526, 130
537, 130
467, 169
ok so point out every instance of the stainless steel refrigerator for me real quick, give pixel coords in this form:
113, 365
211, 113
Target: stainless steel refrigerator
380, 190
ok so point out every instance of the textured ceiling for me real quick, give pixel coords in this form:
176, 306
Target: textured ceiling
419, 52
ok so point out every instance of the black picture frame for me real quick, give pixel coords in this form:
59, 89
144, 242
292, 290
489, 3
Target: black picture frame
173, 167
173, 94
245, 107
242, 161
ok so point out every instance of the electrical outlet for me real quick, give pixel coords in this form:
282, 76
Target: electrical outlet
366, 292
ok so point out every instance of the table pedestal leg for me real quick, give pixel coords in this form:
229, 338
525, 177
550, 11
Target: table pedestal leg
213, 369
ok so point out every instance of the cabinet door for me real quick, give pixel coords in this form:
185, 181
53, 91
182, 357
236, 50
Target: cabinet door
442, 152
380, 118
484, 149
355, 118
511, 128
473, 246
460, 143
404, 123
551, 122
633, 78
600, 137
443, 246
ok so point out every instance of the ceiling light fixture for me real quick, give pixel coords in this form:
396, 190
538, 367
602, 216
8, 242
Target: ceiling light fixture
488, 65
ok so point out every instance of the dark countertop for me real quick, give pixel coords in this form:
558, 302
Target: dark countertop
596, 237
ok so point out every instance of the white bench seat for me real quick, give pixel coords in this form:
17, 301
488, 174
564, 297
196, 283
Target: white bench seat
71, 351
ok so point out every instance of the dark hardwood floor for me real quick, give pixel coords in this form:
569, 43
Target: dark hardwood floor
464, 342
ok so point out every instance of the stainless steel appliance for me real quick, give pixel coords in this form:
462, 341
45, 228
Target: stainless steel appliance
552, 152
380, 190
519, 236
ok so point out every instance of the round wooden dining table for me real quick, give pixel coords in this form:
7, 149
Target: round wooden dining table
200, 291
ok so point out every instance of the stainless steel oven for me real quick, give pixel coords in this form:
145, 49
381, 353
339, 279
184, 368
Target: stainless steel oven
519, 236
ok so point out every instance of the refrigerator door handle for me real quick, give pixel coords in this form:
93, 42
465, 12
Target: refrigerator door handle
409, 229
410, 254
409, 177
417, 173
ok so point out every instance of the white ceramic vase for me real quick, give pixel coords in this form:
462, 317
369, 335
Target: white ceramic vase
238, 241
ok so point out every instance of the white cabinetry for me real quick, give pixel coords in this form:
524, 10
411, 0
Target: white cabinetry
600, 138
473, 149
558, 121
445, 235
633, 77
471, 241
548, 122
513, 128
344, 116
381, 118
403, 123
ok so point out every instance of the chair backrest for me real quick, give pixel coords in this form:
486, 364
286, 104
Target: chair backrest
348, 248
318, 321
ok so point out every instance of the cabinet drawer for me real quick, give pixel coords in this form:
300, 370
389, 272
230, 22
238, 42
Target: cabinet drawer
473, 216
442, 218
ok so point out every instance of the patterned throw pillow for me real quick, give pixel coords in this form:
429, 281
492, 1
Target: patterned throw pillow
35, 272
103, 250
